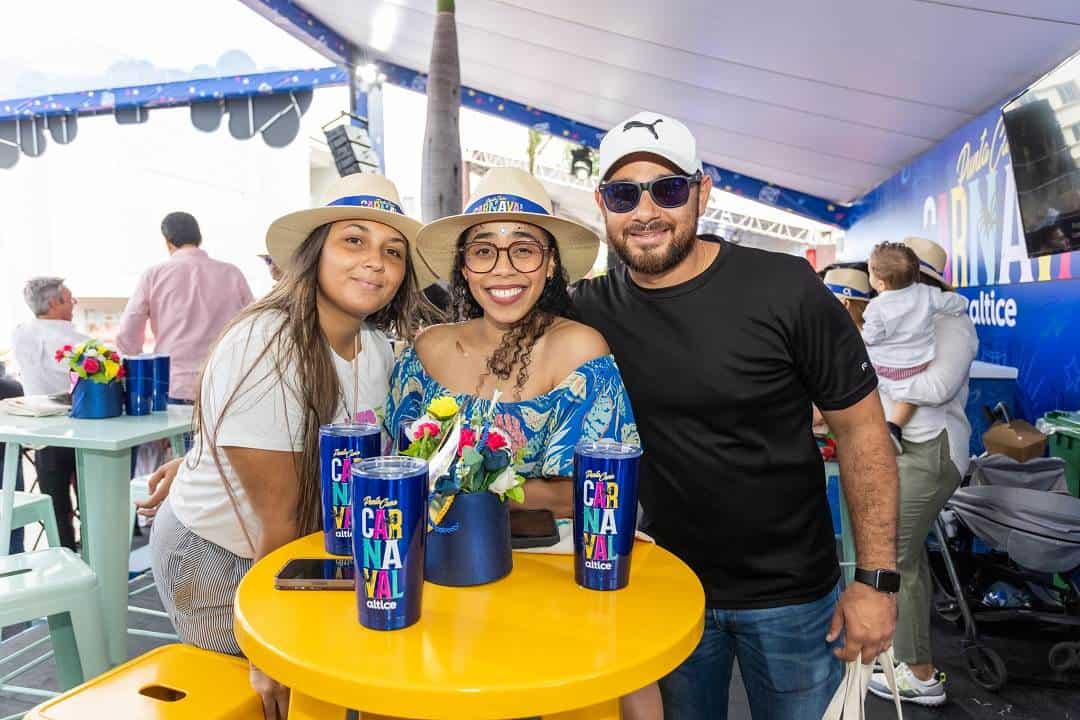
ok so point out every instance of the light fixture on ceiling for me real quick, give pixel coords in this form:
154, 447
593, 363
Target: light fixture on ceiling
367, 74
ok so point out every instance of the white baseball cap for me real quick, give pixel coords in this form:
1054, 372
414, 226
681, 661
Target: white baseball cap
649, 132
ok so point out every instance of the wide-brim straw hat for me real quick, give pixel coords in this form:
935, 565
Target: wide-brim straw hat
509, 195
360, 196
932, 259
849, 283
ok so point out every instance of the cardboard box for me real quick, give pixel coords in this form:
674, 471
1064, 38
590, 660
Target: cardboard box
1017, 439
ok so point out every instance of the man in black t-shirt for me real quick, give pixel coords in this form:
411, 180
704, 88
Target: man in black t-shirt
723, 350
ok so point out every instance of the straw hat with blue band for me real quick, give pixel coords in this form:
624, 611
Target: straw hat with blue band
361, 196
849, 283
509, 194
932, 259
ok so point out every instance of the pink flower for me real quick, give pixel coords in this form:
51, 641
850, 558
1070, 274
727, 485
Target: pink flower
91, 365
468, 439
67, 348
428, 429
59, 355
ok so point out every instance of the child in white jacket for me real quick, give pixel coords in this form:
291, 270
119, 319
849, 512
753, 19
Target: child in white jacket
899, 330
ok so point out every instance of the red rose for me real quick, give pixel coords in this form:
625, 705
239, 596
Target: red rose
115, 357
59, 355
120, 373
468, 439
91, 365
495, 441
67, 348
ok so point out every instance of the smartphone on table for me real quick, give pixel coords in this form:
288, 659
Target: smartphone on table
317, 574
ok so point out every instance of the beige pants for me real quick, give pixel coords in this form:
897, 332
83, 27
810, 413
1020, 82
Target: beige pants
928, 479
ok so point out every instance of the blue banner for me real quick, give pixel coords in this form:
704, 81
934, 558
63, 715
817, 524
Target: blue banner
962, 195
170, 94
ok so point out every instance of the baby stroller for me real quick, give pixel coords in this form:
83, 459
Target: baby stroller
1010, 550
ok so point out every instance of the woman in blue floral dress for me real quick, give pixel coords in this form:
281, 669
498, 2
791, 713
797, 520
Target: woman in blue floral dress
508, 260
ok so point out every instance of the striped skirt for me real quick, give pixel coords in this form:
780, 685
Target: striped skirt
197, 581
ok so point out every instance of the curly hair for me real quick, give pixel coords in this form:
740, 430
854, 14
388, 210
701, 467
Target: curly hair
517, 344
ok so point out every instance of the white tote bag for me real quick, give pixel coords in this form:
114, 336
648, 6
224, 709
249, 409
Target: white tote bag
850, 699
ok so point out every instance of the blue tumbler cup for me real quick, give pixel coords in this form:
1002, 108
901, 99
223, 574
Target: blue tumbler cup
161, 383
139, 384
390, 502
605, 513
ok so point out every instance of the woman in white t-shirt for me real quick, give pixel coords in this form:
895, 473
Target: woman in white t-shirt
313, 351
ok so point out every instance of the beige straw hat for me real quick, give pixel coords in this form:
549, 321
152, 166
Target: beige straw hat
850, 283
360, 196
509, 194
932, 258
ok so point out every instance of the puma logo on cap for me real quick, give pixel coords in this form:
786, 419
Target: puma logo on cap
651, 127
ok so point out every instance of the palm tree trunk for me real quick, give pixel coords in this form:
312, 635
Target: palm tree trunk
441, 177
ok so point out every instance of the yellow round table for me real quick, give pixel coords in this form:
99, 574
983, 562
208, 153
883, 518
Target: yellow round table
533, 643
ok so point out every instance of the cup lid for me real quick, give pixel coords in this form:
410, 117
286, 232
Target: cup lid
608, 449
389, 467
348, 429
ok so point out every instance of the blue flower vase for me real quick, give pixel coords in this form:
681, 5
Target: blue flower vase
471, 546
93, 401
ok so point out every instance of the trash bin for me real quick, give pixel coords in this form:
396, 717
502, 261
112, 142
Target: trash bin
1063, 431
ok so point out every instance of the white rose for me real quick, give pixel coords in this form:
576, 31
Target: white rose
90, 352
506, 480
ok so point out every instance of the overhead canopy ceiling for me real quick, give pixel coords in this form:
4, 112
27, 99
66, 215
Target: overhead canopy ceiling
71, 46
826, 98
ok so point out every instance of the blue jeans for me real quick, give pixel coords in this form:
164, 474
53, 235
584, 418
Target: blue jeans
787, 667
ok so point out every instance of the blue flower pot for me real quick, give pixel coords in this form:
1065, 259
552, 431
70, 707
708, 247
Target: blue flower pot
471, 546
93, 401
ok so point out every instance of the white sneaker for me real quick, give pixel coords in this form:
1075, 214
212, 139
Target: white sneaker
912, 689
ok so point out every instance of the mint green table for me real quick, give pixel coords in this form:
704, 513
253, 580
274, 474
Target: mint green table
103, 464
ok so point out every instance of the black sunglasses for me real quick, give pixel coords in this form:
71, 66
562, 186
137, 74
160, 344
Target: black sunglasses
671, 191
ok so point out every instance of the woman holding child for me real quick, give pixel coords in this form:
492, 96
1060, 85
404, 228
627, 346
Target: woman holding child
920, 374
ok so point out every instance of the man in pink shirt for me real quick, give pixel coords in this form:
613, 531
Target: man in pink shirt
188, 300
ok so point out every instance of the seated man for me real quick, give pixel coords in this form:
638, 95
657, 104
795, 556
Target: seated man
35, 343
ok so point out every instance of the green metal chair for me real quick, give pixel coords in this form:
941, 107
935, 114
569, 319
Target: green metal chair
54, 584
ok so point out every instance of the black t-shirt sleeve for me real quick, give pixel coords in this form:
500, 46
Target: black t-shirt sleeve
828, 350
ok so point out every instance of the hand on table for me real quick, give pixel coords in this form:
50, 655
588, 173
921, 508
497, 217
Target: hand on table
159, 484
274, 695
867, 618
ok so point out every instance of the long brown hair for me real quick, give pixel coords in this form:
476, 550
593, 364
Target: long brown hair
310, 370
515, 349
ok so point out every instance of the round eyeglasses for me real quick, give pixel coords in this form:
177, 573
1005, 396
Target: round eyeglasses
525, 256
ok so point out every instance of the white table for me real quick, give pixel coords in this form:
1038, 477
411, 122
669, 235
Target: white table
103, 464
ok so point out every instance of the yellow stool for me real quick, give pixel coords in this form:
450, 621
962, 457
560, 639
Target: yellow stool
173, 682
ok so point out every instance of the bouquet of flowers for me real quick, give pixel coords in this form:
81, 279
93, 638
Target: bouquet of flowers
92, 360
470, 456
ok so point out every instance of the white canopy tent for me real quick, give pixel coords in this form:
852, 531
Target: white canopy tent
828, 99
